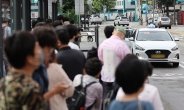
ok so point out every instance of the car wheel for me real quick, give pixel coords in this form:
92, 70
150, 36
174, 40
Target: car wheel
169, 27
118, 24
114, 24
91, 23
175, 64
123, 25
165, 27
128, 25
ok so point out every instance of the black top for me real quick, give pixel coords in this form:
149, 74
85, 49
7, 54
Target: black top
72, 61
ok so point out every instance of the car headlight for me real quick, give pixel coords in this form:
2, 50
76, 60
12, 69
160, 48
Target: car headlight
175, 48
139, 48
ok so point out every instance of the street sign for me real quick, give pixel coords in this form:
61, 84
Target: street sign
104, 8
79, 7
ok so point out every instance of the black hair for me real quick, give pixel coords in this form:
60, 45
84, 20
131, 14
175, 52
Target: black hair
39, 19
60, 17
63, 35
48, 21
45, 36
108, 31
80, 29
34, 22
57, 23
72, 21
148, 67
92, 53
65, 19
93, 66
41, 24
18, 46
72, 30
130, 74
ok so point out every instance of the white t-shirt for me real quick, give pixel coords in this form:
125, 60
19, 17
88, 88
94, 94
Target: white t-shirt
150, 94
73, 46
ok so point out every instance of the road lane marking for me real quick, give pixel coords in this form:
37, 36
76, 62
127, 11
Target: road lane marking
181, 65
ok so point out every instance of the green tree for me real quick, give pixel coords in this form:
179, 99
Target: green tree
98, 5
167, 4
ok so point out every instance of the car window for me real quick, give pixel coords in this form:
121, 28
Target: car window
153, 36
129, 33
165, 19
134, 33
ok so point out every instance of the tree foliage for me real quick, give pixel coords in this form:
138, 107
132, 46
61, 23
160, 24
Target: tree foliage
167, 4
69, 5
98, 5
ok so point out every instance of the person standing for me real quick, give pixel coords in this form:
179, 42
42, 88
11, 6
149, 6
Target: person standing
73, 31
131, 76
94, 92
47, 40
111, 52
18, 90
7, 29
55, 75
72, 60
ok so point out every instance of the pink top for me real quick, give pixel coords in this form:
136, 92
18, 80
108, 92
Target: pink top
111, 52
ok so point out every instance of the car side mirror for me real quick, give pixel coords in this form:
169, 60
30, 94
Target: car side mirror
131, 39
176, 39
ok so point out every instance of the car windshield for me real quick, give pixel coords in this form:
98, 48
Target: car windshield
153, 36
165, 19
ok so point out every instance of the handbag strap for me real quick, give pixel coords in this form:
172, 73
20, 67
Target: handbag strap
140, 105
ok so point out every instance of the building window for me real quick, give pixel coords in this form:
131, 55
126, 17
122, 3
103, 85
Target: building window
133, 3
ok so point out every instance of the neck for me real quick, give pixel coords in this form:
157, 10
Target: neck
129, 97
25, 70
66, 45
71, 40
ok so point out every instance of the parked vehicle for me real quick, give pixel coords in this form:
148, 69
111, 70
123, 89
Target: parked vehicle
95, 19
121, 20
164, 22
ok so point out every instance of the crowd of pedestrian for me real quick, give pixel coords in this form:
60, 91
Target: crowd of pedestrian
48, 69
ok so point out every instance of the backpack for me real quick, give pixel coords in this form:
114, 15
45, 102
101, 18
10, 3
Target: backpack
77, 101
111, 95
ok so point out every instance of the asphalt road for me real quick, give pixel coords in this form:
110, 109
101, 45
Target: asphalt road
169, 80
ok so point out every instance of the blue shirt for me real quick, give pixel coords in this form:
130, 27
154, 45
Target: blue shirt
131, 105
41, 77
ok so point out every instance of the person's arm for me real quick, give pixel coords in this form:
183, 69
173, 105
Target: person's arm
57, 89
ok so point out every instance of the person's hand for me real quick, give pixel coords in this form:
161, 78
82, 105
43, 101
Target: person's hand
60, 87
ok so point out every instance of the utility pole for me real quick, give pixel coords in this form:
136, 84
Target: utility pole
174, 12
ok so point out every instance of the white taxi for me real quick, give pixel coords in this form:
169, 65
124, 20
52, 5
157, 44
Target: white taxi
154, 45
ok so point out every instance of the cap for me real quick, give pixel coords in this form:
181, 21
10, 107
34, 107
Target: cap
120, 29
